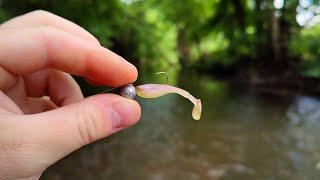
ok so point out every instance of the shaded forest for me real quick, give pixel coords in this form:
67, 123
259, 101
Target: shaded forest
262, 42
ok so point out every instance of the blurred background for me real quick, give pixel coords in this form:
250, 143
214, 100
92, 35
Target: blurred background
254, 64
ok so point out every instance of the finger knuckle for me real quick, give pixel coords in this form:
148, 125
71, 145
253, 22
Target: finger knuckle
42, 13
46, 34
75, 85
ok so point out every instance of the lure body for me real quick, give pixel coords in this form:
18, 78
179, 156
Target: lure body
157, 90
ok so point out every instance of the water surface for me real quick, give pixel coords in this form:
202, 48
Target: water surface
243, 134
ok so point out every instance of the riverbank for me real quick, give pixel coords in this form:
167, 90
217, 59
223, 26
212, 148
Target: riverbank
285, 78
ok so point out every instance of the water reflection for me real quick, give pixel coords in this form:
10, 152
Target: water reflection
304, 110
243, 134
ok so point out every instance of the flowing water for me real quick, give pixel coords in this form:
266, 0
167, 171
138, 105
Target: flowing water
243, 134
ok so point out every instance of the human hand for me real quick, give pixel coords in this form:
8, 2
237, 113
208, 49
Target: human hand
43, 115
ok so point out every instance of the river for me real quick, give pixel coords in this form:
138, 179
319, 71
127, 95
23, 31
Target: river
243, 134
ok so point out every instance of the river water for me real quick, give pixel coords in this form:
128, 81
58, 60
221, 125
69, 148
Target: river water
243, 134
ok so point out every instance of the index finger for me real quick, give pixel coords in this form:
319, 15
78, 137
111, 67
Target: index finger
33, 49
40, 18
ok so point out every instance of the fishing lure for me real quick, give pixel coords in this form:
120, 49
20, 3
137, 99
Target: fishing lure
157, 90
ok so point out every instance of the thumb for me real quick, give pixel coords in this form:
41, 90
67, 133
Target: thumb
58, 132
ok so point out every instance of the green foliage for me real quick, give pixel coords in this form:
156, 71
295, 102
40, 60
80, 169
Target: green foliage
306, 46
166, 33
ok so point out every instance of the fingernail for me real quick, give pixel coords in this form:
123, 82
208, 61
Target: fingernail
121, 112
115, 117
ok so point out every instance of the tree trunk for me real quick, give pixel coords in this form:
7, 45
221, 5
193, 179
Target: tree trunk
260, 50
239, 13
182, 48
274, 32
285, 27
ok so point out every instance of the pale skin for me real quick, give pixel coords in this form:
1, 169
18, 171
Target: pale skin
43, 115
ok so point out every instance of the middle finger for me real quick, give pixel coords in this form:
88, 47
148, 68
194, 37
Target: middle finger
59, 86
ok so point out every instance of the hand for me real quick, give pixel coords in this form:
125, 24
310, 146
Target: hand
43, 115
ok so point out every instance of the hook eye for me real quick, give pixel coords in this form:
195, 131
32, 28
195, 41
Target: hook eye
164, 73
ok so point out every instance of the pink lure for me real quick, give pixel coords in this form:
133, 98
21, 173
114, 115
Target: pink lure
157, 90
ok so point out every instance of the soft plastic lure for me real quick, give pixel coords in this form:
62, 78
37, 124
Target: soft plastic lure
157, 90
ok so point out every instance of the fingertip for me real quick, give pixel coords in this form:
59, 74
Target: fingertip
128, 110
106, 67
134, 75
127, 72
122, 112
137, 112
